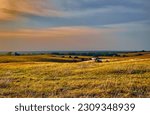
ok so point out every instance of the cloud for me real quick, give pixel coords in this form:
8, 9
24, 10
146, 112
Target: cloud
74, 13
51, 23
129, 36
92, 4
57, 32
59, 38
11, 9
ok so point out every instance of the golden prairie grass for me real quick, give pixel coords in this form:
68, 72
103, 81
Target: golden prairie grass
119, 77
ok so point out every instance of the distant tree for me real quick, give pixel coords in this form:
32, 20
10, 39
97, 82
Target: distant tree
76, 57
107, 60
138, 54
70, 56
17, 54
9, 53
124, 56
82, 59
143, 51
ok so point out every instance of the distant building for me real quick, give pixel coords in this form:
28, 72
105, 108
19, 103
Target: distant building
97, 59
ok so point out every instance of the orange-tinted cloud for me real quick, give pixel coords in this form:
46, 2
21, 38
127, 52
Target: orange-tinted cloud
11, 9
59, 32
59, 38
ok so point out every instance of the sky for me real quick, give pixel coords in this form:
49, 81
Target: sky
42, 25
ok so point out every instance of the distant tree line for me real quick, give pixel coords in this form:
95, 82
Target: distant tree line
87, 53
13, 54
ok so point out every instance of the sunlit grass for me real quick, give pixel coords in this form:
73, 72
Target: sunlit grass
34, 78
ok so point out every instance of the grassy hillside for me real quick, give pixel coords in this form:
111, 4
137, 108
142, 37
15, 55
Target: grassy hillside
44, 76
35, 58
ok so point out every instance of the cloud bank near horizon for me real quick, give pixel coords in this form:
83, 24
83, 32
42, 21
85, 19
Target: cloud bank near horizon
99, 24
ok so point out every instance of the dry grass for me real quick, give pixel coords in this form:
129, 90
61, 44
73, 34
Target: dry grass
31, 77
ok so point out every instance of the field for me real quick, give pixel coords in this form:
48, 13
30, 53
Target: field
50, 76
